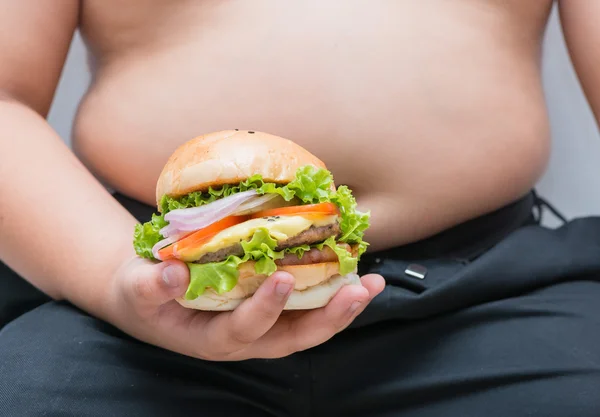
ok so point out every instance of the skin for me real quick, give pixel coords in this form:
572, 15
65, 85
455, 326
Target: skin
432, 112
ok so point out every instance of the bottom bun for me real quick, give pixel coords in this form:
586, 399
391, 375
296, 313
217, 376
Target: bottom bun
312, 297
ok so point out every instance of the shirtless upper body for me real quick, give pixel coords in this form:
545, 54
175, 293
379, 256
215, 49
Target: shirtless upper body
432, 112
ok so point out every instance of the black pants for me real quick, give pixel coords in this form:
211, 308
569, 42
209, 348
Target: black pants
506, 322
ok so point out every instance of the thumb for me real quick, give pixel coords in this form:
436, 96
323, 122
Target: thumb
160, 283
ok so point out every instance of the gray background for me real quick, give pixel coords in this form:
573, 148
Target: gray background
572, 181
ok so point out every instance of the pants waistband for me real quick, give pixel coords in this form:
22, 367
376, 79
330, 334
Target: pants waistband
468, 240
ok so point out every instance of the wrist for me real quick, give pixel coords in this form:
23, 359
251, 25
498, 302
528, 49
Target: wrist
97, 291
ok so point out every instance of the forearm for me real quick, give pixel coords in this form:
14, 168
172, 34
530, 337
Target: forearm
59, 228
582, 34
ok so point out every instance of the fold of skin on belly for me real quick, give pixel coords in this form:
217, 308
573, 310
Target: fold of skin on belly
432, 115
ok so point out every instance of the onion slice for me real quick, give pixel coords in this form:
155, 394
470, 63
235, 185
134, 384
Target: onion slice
254, 204
184, 221
195, 218
220, 204
164, 243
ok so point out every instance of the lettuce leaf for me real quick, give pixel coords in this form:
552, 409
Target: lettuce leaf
261, 248
348, 263
311, 185
353, 222
146, 235
298, 250
223, 276
220, 276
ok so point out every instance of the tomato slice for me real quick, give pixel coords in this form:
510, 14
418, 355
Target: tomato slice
323, 209
197, 238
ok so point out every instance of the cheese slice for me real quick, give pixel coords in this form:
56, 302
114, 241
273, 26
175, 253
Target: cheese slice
280, 228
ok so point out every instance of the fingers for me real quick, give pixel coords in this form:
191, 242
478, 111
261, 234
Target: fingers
254, 317
156, 284
375, 285
292, 334
256, 328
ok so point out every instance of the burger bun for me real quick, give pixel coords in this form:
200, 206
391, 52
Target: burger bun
315, 285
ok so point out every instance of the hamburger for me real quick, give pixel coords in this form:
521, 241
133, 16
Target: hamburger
236, 206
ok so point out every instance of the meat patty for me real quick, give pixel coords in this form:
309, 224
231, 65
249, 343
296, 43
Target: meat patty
316, 256
307, 237
310, 236
222, 254
313, 256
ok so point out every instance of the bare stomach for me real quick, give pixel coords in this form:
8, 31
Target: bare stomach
432, 116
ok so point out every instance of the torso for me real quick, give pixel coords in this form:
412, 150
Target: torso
431, 111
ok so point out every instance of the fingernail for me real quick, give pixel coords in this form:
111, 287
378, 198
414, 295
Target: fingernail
354, 306
283, 288
169, 276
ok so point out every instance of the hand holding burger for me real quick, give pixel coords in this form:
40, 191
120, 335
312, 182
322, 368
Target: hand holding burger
238, 206
250, 224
